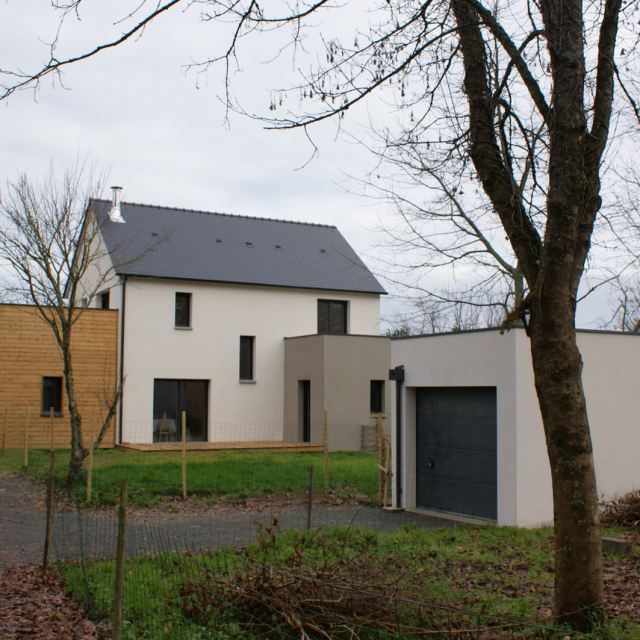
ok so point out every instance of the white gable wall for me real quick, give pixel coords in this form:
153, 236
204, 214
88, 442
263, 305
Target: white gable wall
220, 314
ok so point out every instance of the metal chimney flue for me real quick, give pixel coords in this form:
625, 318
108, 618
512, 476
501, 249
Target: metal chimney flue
115, 215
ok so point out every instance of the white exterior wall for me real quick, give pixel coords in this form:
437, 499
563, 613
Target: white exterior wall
484, 358
474, 359
220, 314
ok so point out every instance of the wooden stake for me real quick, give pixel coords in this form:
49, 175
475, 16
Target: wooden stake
90, 469
122, 531
47, 535
326, 453
184, 455
25, 463
51, 426
4, 433
380, 479
310, 497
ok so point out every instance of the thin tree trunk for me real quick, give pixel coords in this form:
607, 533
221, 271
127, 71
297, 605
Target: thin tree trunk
77, 449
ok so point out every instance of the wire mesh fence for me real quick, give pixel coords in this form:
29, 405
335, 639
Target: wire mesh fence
177, 588
347, 460
195, 504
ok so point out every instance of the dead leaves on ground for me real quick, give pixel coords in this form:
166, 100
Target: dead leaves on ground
34, 605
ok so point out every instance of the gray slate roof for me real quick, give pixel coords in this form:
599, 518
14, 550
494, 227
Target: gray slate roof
311, 256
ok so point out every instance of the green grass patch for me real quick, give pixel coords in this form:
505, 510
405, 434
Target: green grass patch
212, 475
495, 572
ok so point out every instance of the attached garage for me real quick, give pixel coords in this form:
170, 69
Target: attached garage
467, 432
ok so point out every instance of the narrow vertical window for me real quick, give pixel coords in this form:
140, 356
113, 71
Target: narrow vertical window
377, 396
183, 309
332, 316
104, 299
51, 395
246, 357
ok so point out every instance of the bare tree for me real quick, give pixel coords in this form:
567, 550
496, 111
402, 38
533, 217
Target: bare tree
556, 79
51, 246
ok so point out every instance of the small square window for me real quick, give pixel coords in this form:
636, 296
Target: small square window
377, 396
51, 396
183, 309
104, 299
246, 357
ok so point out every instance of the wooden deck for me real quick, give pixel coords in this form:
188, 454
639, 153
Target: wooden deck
267, 445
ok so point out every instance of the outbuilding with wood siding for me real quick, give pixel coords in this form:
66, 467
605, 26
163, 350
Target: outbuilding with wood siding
32, 369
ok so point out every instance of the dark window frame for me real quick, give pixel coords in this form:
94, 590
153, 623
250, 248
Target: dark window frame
247, 362
105, 299
183, 295
344, 304
57, 402
376, 397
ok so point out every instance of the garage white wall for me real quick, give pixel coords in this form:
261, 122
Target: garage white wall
466, 359
611, 378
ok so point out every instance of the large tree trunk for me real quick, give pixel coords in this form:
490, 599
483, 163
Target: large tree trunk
557, 368
552, 269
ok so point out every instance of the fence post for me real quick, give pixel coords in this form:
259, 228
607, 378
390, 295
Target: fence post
47, 535
380, 480
122, 530
310, 497
184, 455
51, 426
326, 453
4, 433
25, 463
90, 469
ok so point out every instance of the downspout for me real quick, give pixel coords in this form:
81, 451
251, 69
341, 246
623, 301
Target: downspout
397, 375
121, 381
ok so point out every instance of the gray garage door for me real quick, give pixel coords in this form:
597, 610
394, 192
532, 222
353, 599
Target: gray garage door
456, 461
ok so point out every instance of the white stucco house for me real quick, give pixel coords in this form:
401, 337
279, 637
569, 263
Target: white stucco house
204, 316
469, 430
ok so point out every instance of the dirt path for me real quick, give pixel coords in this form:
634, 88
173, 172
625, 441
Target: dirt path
22, 521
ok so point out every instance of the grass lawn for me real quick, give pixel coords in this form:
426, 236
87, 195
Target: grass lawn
501, 572
212, 475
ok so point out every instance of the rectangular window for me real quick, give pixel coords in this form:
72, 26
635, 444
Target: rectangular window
104, 300
377, 396
332, 316
183, 309
51, 396
246, 357
170, 399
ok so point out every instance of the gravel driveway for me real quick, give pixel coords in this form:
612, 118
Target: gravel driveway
22, 525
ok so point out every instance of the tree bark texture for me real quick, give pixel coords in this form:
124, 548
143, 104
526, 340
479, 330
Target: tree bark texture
77, 449
552, 268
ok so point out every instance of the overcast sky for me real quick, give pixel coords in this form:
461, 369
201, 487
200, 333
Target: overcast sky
161, 131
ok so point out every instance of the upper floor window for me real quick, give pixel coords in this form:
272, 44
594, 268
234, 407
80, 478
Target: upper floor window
104, 299
377, 396
332, 316
51, 395
246, 357
183, 309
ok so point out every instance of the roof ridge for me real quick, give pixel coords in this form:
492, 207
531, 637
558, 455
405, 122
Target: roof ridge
216, 213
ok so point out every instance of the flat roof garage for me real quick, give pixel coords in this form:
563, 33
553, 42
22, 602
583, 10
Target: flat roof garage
470, 431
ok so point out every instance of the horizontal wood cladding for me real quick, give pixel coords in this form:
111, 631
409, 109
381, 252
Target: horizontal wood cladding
29, 352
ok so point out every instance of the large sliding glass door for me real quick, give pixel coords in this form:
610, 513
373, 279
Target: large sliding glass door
170, 399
